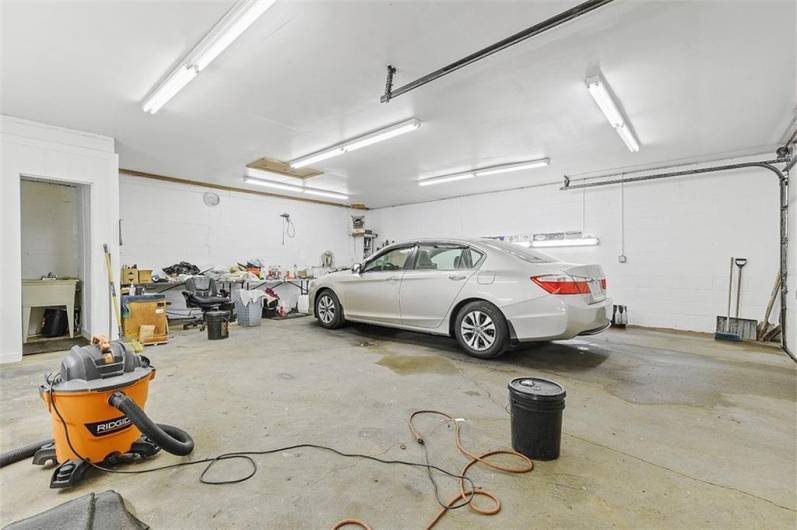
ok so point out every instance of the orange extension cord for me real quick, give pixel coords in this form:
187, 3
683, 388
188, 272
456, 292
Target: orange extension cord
466, 496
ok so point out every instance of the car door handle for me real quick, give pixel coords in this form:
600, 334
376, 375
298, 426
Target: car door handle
394, 278
457, 277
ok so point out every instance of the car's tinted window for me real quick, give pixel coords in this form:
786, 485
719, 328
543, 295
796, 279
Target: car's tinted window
445, 257
390, 261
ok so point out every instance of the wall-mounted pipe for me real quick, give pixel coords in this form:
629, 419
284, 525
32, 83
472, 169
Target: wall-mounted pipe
536, 29
783, 181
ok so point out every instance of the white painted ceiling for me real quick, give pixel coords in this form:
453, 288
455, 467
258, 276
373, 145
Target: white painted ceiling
697, 79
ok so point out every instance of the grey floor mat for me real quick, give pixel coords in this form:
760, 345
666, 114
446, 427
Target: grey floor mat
95, 511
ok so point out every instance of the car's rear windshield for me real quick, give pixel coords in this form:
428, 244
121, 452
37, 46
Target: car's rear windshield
523, 253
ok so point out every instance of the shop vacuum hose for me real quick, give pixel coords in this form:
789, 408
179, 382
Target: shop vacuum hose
171, 439
21, 453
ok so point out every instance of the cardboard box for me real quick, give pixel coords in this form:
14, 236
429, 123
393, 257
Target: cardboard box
144, 276
129, 276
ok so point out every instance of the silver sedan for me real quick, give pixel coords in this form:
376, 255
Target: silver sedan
485, 293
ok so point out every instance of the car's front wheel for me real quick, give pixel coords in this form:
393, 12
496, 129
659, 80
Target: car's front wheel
328, 310
481, 330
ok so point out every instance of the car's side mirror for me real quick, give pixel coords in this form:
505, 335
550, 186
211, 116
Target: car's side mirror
356, 268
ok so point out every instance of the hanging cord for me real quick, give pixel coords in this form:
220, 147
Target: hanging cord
247, 456
288, 228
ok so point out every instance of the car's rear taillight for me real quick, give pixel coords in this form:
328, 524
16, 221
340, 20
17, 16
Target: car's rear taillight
603, 283
561, 284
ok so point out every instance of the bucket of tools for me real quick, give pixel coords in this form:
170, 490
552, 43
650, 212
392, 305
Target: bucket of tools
536, 407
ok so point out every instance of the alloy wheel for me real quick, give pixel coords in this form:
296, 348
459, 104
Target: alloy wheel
326, 309
478, 330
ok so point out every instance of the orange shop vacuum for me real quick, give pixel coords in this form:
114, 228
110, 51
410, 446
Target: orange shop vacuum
96, 403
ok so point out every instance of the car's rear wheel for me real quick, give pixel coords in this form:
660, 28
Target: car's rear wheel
481, 330
328, 310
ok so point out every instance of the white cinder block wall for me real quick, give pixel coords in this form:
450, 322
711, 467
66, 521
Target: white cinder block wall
164, 223
51, 227
679, 237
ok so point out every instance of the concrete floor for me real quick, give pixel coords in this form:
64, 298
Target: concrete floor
661, 430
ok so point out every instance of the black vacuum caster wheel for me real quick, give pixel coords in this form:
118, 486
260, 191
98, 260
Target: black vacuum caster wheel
44, 455
144, 447
69, 474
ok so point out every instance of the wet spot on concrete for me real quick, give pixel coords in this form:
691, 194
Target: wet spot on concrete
472, 393
416, 364
367, 344
654, 376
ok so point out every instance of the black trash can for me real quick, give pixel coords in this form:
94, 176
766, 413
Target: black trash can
536, 407
55, 323
218, 324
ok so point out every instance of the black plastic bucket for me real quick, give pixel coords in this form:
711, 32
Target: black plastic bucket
536, 407
218, 324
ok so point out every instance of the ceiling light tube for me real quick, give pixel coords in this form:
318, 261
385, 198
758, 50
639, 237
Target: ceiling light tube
357, 143
276, 177
382, 134
230, 27
602, 93
518, 166
168, 88
223, 33
445, 178
316, 157
574, 242
275, 185
628, 137
324, 193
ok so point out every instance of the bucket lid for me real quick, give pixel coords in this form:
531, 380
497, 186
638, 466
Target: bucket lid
536, 388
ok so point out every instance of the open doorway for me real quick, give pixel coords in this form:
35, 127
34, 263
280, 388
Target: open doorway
54, 226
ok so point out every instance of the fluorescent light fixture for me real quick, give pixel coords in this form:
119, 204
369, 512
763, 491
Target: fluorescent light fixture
170, 86
230, 27
317, 157
356, 143
383, 134
573, 242
324, 193
223, 33
607, 102
270, 175
482, 172
250, 179
445, 178
275, 185
628, 137
518, 166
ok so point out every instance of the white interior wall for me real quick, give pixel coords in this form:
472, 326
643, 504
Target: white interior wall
679, 237
51, 235
36, 150
165, 223
50, 229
